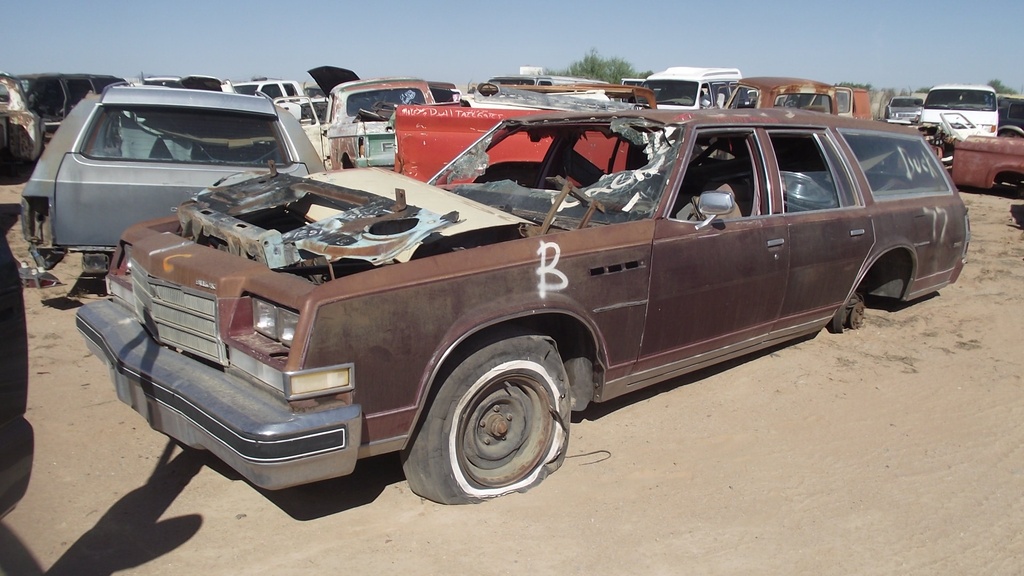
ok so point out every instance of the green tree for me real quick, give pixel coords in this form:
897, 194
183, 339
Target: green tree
856, 85
1001, 88
596, 67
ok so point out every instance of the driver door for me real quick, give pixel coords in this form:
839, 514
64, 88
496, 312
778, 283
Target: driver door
715, 288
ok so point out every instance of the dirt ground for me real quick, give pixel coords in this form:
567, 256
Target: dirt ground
895, 449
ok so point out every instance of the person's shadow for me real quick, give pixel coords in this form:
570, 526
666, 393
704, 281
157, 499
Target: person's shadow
130, 533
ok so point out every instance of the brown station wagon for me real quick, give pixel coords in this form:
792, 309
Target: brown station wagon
295, 325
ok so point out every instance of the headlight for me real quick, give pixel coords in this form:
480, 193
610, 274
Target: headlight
273, 321
286, 321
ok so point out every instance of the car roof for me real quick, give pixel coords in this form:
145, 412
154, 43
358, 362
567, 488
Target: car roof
71, 75
692, 73
162, 96
764, 82
387, 82
983, 87
787, 117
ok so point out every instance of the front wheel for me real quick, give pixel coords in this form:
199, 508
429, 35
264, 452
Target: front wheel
499, 424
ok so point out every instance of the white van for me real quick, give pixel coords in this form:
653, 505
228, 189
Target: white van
976, 103
690, 88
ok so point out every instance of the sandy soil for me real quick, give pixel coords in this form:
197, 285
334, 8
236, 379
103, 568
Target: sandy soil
895, 449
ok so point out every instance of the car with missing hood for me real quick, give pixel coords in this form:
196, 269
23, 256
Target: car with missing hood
137, 152
294, 325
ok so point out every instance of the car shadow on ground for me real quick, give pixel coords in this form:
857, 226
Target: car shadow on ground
130, 533
367, 482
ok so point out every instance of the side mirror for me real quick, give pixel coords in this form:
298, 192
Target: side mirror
715, 203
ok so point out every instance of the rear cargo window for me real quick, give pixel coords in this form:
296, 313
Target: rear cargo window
184, 136
896, 165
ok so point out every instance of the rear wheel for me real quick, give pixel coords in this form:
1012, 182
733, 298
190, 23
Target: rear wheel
850, 315
499, 424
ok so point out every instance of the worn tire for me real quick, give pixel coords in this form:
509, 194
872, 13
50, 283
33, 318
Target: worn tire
498, 424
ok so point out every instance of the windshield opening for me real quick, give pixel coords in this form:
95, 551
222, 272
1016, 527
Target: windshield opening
961, 99
393, 96
674, 92
605, 172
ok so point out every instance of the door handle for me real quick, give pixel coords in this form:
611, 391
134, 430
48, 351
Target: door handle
857, 232
776, 242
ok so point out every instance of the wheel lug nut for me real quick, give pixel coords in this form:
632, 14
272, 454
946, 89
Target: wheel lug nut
487, 440
508, 417
496, 409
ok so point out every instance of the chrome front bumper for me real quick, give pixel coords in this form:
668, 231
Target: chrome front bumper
251, 429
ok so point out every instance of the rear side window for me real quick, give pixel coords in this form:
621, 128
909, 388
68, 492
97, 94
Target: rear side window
896, 165
184, 136
78, 88
807, 181
814, 102
843, 101
272, 90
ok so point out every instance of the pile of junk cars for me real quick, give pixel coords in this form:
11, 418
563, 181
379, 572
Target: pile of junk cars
472, 268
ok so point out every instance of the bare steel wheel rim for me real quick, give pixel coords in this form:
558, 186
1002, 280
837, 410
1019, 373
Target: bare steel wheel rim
507, 430
856, 312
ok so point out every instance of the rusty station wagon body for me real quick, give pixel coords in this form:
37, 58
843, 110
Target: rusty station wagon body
294, 325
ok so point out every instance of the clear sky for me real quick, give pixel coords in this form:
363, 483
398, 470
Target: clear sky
905, 44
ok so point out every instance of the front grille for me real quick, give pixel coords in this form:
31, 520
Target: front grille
176, 317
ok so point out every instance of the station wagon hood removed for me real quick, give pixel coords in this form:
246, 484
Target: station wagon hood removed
305, 225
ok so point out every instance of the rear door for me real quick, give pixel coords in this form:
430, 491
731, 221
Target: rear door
830, 232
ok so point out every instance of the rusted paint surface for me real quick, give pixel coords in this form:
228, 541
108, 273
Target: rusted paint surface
984, 161
329, 221
608, 285
771, 88
22, 129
